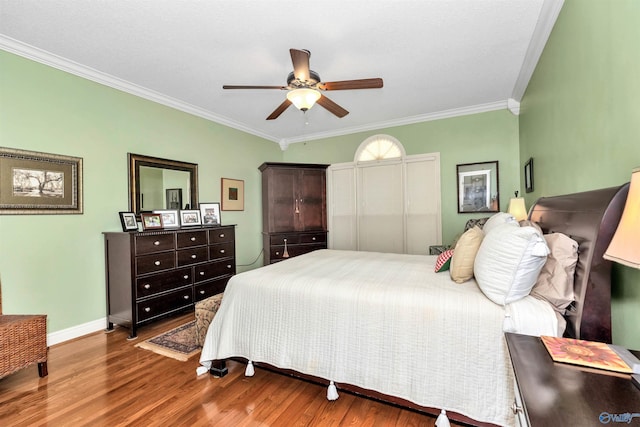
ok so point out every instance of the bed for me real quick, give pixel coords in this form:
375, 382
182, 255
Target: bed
388, 327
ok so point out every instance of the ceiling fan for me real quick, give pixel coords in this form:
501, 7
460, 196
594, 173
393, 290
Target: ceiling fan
304, 86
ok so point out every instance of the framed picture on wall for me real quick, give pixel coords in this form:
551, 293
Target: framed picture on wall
528, 176
478, 187
232, 194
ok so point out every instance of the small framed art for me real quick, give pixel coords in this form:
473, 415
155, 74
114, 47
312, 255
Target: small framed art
169, 218
151, 221
528, 176
128, 221
210, 213
190, 217
232, 194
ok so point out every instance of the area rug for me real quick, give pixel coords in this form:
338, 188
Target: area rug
178, 343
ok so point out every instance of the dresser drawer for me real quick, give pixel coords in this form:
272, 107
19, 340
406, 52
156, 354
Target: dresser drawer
214, 269
209, 289
278, 239
192, 256
162, 282
154, 243
192, 238
221, 235
223, 250
167, 303
155, 262
313, 238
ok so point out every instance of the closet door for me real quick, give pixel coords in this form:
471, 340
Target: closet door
422, 194
341, 204
380, 208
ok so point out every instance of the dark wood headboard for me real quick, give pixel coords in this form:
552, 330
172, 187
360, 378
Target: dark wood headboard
590, 218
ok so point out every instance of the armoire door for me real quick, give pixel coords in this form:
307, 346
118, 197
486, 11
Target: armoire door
310, 199
280, 185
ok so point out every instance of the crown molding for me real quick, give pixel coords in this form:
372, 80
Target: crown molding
456, 112
548, 16
38, 55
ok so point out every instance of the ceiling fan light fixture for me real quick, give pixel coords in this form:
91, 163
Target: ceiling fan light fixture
303, 98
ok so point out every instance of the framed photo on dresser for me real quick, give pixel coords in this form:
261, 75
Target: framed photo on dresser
128, 221
210, 213
190, 217
169, 218
151, 221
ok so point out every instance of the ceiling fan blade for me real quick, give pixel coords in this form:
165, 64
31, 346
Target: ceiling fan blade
332, 107
300, 59
276, 113
352, 84
253, 87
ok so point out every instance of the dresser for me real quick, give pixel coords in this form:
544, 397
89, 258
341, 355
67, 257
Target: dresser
294, 209
152, 274
549, 394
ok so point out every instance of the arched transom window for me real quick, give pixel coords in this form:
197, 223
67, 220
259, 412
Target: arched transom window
379, 147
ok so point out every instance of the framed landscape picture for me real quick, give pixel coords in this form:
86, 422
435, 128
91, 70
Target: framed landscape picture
190, 217
169, 218
39, 183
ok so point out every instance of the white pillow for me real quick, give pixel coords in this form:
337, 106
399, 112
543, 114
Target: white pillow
499, 219
509, 261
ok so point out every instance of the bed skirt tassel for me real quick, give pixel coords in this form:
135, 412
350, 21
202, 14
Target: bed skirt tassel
442, 420
249, 372
201, 370
332, 391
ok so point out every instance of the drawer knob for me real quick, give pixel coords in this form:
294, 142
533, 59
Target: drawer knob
228, 265
186, 276
313, 238
147, 309
147, 286
221, 251
202, 273
193, 239
186, 297
194, 256
157, 263
201, 292
156, 243
277, 253
516, 408
221, 235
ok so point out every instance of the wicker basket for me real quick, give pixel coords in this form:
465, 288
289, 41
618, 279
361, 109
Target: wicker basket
23, 342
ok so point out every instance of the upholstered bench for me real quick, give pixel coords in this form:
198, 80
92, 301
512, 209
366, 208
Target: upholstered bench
205, 310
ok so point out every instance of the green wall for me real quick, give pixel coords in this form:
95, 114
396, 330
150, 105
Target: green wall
580, 120
54, 264
466, 139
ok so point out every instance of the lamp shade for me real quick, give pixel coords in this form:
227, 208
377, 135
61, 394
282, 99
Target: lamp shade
517, 208
625, 245
303, 99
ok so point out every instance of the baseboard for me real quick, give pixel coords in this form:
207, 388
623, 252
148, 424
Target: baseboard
76, 331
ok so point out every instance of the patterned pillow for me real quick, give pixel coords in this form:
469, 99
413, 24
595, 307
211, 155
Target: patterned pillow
443, 261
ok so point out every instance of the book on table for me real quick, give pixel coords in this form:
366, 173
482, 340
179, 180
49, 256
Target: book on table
587, 353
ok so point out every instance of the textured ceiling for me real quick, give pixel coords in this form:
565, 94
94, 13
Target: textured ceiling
438, 58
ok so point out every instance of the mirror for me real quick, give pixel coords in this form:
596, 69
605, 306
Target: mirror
478, 187
156, 183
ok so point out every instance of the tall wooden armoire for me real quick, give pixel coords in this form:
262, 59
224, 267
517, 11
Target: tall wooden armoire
294, 209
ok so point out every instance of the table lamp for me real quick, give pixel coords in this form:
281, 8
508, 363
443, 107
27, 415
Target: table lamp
517, 208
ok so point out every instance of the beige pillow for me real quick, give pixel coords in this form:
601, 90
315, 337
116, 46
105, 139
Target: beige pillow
464, 255
555, 282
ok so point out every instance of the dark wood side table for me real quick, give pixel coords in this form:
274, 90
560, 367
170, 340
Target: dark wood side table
558, 394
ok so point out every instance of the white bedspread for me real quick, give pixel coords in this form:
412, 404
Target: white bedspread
384, 322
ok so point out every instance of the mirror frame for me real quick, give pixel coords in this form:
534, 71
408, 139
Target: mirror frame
137, 160
487, 169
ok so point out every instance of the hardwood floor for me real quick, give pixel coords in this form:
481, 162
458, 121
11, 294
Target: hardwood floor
103, 380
